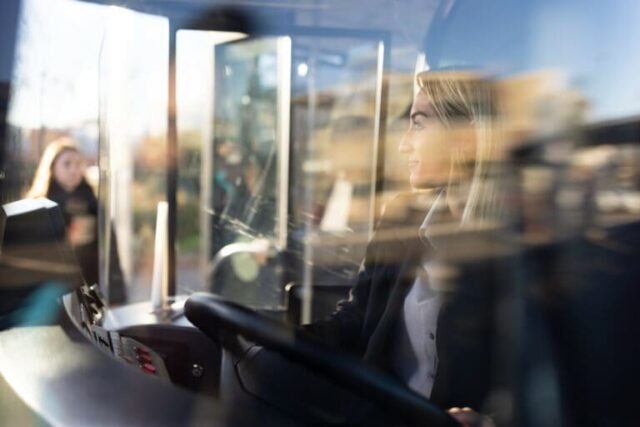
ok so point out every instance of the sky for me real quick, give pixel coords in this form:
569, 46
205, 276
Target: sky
592, 42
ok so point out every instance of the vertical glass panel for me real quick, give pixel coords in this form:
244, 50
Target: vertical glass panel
133, 103
249, 156
245, 144
195, 94
336, 108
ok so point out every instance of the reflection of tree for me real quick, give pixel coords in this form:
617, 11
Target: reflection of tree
539, 104
148, 187
188, 196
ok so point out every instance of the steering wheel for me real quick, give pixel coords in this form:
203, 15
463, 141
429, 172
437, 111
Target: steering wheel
211, 314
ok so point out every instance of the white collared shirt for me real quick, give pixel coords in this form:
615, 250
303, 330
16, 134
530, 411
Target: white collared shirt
415, 358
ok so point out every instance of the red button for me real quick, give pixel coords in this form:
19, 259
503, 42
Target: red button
148, 367
140, 350
145, 358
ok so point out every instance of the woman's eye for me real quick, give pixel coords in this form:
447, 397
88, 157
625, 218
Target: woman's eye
419, 121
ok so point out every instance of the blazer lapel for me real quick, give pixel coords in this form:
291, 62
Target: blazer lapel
381, 345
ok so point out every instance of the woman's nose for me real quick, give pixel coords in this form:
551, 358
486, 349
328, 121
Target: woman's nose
405, 145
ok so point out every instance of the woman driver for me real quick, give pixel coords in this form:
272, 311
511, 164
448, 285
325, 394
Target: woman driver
398, 317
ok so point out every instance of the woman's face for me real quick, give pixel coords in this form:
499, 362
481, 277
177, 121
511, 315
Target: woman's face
427, 151
429, 145
68, 169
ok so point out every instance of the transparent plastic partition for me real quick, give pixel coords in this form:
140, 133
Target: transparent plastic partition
132, 86
278, 142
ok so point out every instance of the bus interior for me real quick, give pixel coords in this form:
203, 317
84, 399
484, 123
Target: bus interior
246, 156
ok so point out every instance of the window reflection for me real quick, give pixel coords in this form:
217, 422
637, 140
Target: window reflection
245, 158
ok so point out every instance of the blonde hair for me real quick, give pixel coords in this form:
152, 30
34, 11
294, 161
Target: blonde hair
467, 97
43, 175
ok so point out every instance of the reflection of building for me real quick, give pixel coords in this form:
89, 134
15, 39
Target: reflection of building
528, 106
538, 104
344, 140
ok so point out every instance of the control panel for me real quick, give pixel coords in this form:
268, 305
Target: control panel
86, 308
137, 354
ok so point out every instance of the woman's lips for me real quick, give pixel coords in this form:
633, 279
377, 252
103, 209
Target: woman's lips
413, 164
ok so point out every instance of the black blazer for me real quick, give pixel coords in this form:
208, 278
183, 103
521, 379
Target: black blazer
79, 202
365, 324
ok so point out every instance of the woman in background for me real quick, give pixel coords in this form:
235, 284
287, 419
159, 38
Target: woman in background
60, 177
